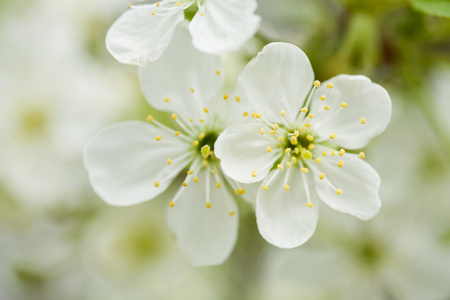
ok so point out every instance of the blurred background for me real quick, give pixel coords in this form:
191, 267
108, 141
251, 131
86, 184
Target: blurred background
59, 87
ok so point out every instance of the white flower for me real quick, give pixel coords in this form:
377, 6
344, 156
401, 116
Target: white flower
132, 162
143, 32
296, 142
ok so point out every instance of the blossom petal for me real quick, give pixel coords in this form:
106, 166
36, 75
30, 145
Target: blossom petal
364, 99
242, 149
279, 78
183, 76
124, 161
358, 181
205, 235
221, 26
138, 36
283, 218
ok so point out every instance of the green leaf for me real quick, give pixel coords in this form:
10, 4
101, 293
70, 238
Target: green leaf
440, 8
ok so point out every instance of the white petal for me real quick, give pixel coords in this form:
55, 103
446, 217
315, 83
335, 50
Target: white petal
364, 99
137, 36
358, 181
221, 26
187, 77
242, 149
283, 218
124, 161
205, 235
279, 78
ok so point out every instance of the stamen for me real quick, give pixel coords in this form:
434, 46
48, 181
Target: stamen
316, 83
305, 170
245, 114
149, 119
201, 135
288, 164
237, 98
184, 184
174, 116
254, 173
272, 132
218, 72
361, 155
318, 160
225, 96
322, 176
262, 131
166, 99
201, 121
258, 115
156, 184
269, 149
363, 120
280, 167
195, 143
231, 213
286, 187
276, 126
329, 85
311, 146
281, 138
311, 116
327, 107
218, 185
343, 104
322, 97
192, 90
253, 115
310, 138
341, 163
325, 153
341, 152
333, 153
206, 110
158, 137
333, 135
177, 133
153, 13
339, 191
304, 110
171, 204
169, 161
265, 187
195, 179
190, 172
287, 150
282, 113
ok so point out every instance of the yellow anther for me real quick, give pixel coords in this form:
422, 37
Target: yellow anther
225, 96
282, 113
156, 184
265, 187
309, 204
310, 138
280, 167
327, 107
341, 152
363, 120
171, 204
303, 129
149, 118
340, 163
305, 170
311, 116
333, 135
297, 150
202, 14
237, 98
201, 135
214, 171
322, 176
190, 172
177, 133
218, 72
329, 85
322, 97
325, 153
262, 131
242, 191
253, 115
236, 191
288, 164
169, 161
196, 179
296, 133
129, 5
339, 191
174, 116
245, 114
333, 152
272, 132
195, 143
304, 110
287, 150
218, 185
158, 4
184, 183
178, 3
281, 138
231, 213
258, 115
294, 160
158, 137
361, 155
318, 160
206, 110
208, 205
311, 146
307, 125
343, 104
276, 126
253, 173
294, 140
192, 90
286, 187
153, 13
316, 83
166, 99
190, 119
269, 149
201, 121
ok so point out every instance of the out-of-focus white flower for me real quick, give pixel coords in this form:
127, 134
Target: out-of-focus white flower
143, 32
132, 162
295, 143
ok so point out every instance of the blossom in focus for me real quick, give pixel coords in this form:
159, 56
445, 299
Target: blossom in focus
298, 149
143, 32
132, 162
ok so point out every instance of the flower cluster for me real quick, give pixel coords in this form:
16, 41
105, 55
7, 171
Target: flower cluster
279, 127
